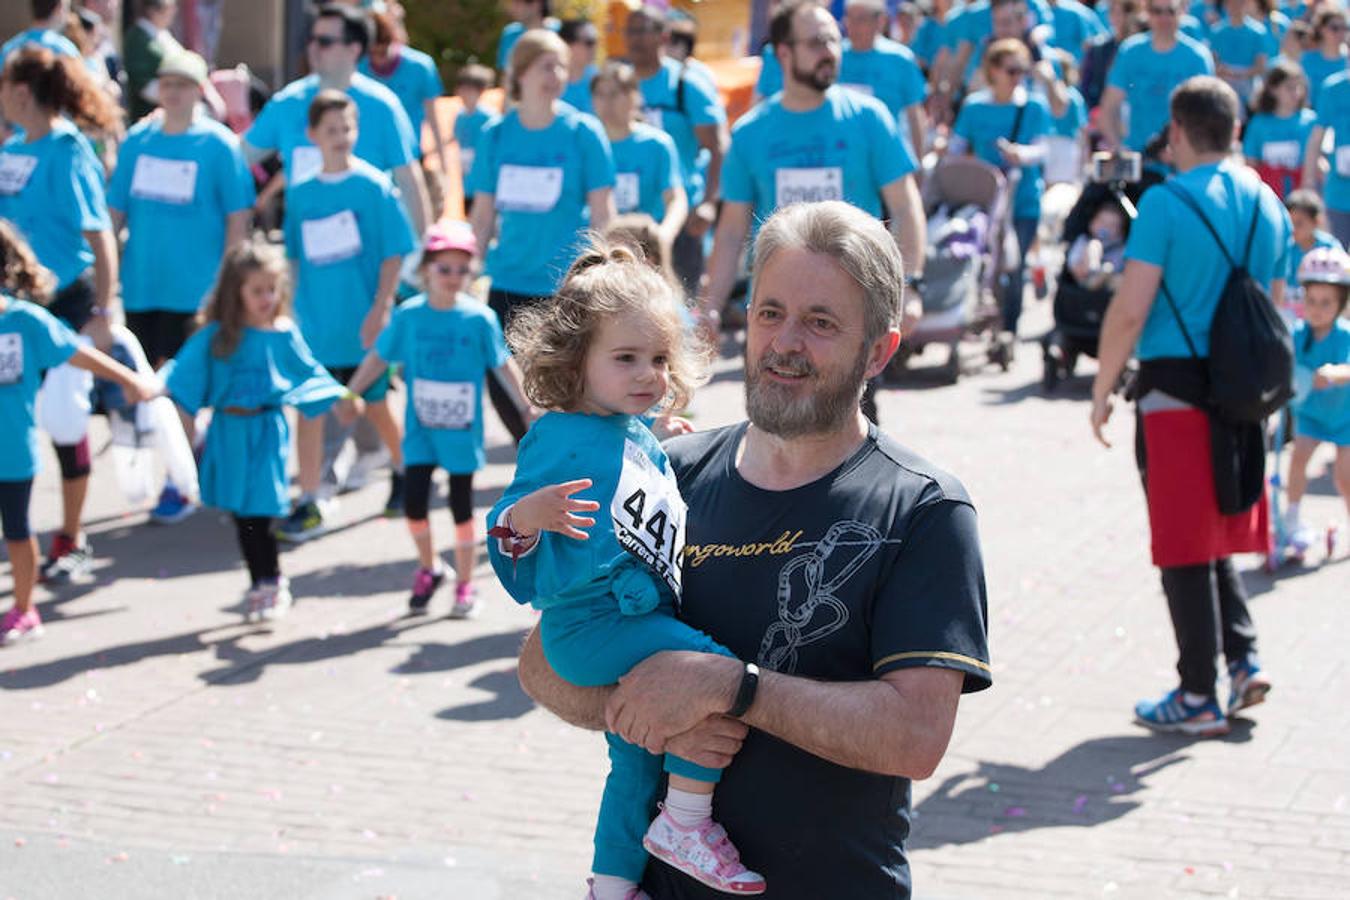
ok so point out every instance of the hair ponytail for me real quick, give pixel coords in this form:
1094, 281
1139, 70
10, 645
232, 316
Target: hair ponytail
62, 85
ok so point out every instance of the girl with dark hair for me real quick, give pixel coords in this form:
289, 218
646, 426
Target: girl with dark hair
1329, 57
1278, 131
51, 189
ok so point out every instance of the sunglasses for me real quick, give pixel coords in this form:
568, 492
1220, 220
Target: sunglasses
450, 269
325, 41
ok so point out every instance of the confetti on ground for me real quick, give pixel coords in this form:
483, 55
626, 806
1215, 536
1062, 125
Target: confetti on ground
993, 787
1080, 804
19, 842
1015, 812
119, 857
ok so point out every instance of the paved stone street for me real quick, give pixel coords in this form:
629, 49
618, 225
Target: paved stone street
151, 745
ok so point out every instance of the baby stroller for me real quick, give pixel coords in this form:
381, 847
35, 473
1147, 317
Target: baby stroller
1078, 309
967, 204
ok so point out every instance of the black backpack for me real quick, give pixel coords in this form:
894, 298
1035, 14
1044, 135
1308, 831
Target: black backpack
1251, 355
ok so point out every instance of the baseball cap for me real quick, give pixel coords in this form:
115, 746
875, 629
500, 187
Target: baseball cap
450, 236
185, 64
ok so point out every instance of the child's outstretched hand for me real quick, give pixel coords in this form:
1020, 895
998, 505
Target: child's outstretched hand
668, 425
553, 508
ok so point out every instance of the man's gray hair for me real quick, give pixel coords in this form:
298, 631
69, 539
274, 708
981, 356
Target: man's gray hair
856, 241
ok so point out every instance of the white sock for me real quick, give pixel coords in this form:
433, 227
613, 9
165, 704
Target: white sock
688, 809
1291, 515
611, 887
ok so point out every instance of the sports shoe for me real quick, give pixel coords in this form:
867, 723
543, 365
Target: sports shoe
634, 894
254, 600
703, 852
276, 598
425, 583
393, 507
1247, 685
1301, 537
466, 601
1172, 713
172, 507
66, 560
17, 626
304, 522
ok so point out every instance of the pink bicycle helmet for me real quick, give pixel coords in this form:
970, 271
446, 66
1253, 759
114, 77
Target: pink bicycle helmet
1325, 265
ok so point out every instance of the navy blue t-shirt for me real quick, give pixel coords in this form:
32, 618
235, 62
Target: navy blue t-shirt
872, 568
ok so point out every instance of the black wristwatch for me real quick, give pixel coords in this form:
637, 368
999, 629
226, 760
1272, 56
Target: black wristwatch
745, 694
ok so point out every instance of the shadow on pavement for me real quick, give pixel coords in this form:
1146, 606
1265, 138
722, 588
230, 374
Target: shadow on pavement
508, 701
1085, 786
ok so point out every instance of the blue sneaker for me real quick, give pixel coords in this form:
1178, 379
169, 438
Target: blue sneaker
1172, 713
172, 507
1247, 684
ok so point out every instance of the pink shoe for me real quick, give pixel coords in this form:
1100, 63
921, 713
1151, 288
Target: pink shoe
703, 852
634, 894
466, 601
17, 626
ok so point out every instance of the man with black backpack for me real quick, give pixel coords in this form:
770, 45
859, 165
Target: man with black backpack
1206, 256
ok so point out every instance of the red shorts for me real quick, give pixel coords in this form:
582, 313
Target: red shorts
1183, 513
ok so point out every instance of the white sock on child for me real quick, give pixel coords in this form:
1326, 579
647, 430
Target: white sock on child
1291, 515
688, 809
611, 887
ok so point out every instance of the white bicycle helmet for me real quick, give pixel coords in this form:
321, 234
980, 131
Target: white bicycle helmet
1325, 265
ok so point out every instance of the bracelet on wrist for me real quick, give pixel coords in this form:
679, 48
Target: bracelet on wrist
515, 540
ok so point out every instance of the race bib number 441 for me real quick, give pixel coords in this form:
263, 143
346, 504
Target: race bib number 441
649, 515
809, 185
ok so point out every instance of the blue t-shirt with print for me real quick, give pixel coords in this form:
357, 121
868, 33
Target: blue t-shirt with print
646, 165
52, 190
983, 122
385, 138
1318, 69
539, 180
1279, 141
176, 191
1168, 234
444, 354
848, 148
1148, 78
888, 72
340, 229
414, 80
678, 100
32, 340
1330, 406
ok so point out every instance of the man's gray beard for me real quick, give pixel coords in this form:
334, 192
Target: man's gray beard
820, 83
773, 409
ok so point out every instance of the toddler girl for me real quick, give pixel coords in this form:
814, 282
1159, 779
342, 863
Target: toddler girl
247, 363
608, 348
32, 340
446, 341
1322, 358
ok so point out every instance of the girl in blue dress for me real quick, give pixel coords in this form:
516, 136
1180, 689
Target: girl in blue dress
1278, 130
609, 348
247, 363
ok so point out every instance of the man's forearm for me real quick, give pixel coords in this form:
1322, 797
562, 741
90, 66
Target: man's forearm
579, 706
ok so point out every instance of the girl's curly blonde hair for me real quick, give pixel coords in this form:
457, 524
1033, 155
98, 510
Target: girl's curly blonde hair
550, 339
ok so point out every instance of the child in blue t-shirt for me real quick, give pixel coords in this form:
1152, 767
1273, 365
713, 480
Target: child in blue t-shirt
248, 362
32, 340
1322, 361
470, 83
446, 342
608, 348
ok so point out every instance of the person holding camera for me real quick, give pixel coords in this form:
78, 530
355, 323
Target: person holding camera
1176, 270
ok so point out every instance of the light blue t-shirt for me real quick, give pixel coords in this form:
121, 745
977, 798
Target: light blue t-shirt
414, 80
32, 340
1075, 25
977, 20
1279, 141
1333, 111
646, 165
340, 229
887, 72
1239, 46
177, 192
510, 34
469, 124
1296, 253
678, 112
1148, 78
539, 181
770, 79
52, 190
982, 122
1318, 69
1277, 25
929, 39
848, 148
1169, 235
1328, 407
244, 459
1075, 117
577, 94
445, 354
638, 536
385, 138
54, 41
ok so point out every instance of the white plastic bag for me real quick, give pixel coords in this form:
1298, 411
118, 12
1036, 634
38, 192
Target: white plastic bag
173, 446
63, 402
157, 430
133, 454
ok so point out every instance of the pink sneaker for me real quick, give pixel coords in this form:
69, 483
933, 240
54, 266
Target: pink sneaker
703, 852
17, 626
634, 894
466, 601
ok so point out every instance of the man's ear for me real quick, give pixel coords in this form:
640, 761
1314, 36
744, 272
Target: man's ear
880, 352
